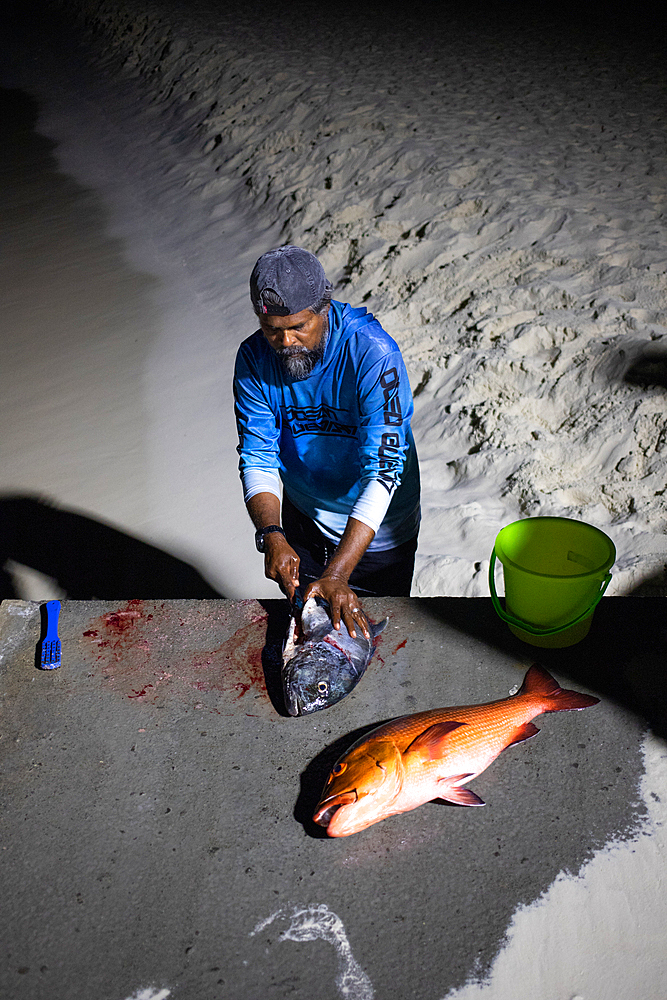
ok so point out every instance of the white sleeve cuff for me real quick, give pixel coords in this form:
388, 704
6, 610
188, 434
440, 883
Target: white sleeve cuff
371, 505
260, 481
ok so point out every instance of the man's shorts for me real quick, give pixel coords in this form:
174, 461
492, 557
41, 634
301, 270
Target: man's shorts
377, 574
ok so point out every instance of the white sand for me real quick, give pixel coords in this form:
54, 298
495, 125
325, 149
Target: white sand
601, 935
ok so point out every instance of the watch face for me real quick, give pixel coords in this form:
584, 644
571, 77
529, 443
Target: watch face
263, 532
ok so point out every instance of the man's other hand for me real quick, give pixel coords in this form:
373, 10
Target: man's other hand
342, 601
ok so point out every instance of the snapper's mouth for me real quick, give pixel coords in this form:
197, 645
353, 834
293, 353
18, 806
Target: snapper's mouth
328, 809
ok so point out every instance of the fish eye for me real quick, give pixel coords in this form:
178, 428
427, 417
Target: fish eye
338, 768
323, 687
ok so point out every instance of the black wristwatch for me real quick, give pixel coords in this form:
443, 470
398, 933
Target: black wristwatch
259, 535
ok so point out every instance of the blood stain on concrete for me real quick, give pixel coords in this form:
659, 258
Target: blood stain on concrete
140, 655
140, 694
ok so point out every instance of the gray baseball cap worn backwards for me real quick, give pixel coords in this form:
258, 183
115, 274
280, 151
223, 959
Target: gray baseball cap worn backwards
287, 281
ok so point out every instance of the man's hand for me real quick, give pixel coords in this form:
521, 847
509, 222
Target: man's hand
281, 563
342, 601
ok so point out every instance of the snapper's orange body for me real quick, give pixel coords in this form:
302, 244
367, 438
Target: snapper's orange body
431, 755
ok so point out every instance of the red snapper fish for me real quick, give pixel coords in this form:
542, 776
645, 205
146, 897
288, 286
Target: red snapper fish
431, 755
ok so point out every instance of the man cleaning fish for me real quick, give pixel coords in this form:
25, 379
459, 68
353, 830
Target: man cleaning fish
323, 404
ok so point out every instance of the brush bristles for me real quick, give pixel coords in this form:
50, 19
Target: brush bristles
50, 654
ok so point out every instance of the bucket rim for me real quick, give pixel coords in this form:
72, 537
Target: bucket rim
599, 571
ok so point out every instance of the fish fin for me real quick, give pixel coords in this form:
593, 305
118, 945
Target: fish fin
456, 779
539, 682
315, 615
290, 642
461, 797
523, 733
430, 742
380, 627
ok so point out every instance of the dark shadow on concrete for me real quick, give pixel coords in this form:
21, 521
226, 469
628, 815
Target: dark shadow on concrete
276, 630
622, 658
90, 560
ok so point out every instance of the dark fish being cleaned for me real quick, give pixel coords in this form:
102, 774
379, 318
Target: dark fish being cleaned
321, 664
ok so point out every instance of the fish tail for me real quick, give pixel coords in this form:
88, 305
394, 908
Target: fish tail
539, 683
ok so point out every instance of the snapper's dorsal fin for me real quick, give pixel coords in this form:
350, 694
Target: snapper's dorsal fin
431, 743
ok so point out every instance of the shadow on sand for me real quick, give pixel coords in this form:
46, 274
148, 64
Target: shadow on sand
88, 559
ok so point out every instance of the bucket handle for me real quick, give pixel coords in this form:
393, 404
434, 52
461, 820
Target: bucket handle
534, 629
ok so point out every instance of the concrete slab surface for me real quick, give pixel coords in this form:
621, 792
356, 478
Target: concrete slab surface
156, 826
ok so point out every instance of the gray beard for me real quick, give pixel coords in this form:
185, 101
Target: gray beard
298, 362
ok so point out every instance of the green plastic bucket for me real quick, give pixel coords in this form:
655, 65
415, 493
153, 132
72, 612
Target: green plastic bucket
555, 570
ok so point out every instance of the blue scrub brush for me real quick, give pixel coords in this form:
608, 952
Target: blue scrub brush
50, 658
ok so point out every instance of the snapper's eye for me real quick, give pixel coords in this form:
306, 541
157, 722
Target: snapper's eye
338, 768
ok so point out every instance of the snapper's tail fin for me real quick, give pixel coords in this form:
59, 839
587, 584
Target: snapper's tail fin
539, 683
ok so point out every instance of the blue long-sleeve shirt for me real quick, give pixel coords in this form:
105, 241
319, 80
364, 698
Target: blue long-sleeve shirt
340, 439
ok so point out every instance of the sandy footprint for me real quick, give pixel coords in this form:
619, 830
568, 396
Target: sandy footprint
316, 920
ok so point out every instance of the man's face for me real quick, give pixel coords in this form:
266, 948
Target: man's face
298, 340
